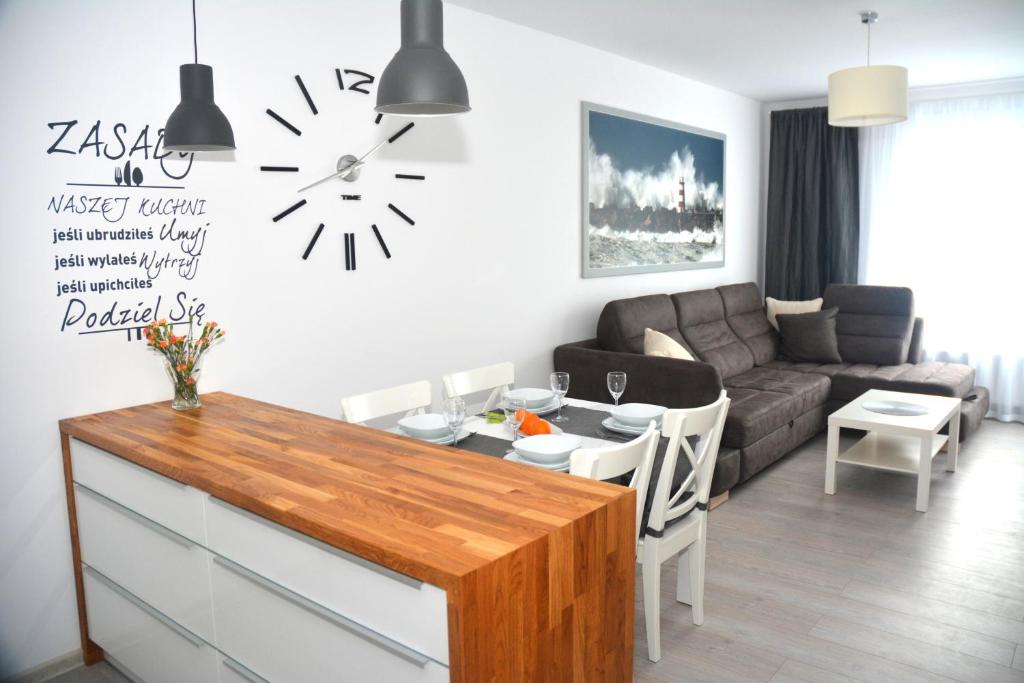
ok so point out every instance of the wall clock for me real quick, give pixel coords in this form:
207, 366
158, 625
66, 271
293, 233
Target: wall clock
341, 184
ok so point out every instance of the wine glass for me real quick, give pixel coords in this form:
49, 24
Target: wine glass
560, 385
454, 410
616, 385
515, 412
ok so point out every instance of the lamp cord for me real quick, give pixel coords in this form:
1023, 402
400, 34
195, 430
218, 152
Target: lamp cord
869, 38
195, 37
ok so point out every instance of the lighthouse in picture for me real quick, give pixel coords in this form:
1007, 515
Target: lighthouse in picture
682, 200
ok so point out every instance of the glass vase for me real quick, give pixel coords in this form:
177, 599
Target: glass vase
186, 388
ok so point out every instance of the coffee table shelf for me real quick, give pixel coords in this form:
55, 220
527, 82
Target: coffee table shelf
889, 452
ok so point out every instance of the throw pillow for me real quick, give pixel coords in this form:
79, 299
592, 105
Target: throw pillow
774, 307
660, 344
810, 337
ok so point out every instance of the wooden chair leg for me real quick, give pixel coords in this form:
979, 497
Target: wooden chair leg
683, 593
651, 572
696, 562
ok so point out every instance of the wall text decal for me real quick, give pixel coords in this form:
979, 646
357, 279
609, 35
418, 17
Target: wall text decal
124, 252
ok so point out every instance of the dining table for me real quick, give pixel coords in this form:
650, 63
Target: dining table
584, 420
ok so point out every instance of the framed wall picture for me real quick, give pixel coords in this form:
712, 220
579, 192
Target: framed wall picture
653, 194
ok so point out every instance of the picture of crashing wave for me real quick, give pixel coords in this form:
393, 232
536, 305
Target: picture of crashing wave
653, 194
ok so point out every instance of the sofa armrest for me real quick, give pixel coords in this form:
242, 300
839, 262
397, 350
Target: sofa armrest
916, 353
668, 382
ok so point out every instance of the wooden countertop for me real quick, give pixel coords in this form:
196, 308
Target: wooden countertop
431, 512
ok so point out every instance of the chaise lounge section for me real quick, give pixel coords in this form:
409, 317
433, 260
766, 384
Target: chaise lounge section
777, 404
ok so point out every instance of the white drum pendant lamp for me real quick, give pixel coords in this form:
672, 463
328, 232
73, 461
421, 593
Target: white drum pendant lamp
867, 95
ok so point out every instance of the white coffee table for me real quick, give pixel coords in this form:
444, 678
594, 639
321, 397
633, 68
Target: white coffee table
895, 443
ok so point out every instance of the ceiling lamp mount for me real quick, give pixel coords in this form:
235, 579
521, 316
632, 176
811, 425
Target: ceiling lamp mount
197, 124
867, 95
422, 79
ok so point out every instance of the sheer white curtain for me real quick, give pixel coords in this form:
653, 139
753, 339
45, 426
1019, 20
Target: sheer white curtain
942, 212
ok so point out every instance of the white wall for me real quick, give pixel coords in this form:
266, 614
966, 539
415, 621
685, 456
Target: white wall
490, 271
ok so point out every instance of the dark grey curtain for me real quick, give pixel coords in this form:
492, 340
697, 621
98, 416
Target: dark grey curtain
813, 230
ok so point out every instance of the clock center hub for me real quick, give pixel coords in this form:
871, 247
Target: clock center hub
346, 161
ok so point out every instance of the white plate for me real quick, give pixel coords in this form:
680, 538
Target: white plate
447, 438
895, 408
556, 467
535, 398
548, 409
638, 414
547, 449
612, 425
425, 426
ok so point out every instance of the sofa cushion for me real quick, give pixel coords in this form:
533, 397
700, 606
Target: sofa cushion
753, 414
746, 317
773, 307
939, 379
875, 323
622, 322
810, 337
808, 389
660, 344
702, 323
827, 369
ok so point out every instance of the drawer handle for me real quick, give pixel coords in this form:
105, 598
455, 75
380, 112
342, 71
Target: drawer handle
156, 614
352, 627
132, 514
243, 671
349, 557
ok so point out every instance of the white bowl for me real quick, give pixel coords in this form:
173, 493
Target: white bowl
547, 448
535, 398
637, 414
425, 426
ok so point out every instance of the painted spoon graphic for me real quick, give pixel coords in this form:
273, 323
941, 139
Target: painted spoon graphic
137, 176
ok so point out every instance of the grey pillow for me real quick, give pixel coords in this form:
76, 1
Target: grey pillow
810, 337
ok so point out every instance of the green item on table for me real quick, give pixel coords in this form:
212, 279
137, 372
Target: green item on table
494, 417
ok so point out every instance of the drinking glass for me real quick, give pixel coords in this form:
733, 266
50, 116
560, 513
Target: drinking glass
560, 385
454, 410
616, 385
515, 411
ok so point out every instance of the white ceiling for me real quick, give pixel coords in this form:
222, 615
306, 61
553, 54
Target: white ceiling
774, 50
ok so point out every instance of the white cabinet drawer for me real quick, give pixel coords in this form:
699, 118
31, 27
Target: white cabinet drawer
403, 609
283, 636
138, 637
170, 503
161, 567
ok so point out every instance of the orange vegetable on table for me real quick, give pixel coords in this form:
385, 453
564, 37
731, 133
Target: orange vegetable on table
532, 425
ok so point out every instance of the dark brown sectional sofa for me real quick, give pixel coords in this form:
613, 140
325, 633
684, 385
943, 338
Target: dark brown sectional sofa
777, 404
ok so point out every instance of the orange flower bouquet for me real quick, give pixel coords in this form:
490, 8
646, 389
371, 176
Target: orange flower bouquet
182, 357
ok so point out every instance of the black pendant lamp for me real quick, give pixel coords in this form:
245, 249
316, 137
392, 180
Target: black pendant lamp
422, 79
197, 124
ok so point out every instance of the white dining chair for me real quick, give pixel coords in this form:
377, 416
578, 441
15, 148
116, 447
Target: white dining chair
410, 399
636, 456
678, 520
496, 378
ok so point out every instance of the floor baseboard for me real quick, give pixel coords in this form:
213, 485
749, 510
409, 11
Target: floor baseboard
48, 670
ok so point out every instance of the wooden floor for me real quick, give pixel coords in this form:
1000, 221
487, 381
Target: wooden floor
853, 587
858, 586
